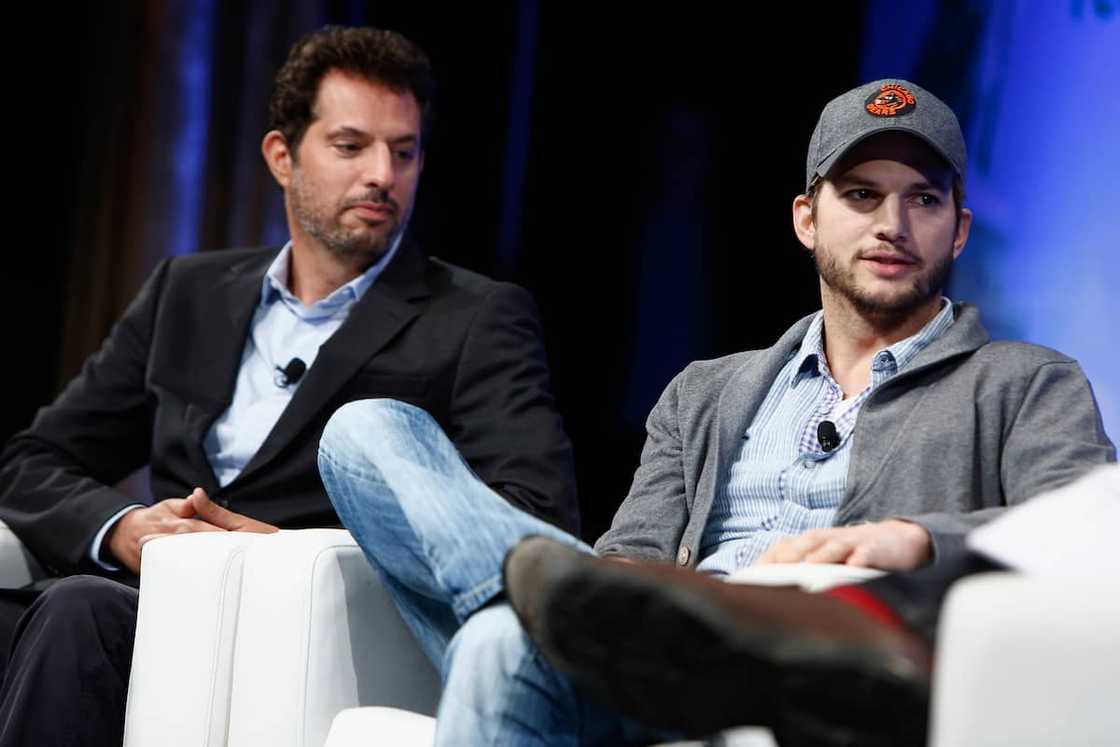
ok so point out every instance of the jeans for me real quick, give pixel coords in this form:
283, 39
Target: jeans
437, 536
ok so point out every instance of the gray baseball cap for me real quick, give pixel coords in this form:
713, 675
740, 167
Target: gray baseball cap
890, 105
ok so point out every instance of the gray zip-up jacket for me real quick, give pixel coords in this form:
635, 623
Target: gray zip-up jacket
968, 429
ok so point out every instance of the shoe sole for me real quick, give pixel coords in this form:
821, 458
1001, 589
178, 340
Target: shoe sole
700, 673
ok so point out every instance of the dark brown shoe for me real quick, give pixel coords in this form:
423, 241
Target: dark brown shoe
682, 651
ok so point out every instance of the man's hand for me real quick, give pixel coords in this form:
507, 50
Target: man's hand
891, 545
195, 513
126, 538
223, 518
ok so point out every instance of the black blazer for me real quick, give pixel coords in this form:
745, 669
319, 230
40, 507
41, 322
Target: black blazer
465, 348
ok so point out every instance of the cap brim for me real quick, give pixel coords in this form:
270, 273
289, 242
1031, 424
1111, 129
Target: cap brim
843, 149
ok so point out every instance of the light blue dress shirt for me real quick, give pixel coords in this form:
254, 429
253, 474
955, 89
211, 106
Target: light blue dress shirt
782, 482
282, 328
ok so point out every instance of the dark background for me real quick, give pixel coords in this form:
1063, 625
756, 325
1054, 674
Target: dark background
632, 167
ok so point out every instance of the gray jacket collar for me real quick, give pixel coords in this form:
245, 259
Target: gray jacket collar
748, 386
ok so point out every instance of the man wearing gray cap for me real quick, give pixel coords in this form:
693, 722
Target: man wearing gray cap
876, 432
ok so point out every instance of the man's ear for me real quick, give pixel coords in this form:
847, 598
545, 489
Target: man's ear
278, 157
803, 224
964, 224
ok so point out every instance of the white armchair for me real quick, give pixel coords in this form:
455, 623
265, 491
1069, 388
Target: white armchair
247, 639
1028, 661
319, 634
250, 639
186, 634
18, 567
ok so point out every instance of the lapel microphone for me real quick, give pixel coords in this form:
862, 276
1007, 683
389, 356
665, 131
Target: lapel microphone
827, 435
290, 374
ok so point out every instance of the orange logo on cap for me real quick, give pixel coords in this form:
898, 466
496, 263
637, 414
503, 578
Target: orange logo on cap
891, 101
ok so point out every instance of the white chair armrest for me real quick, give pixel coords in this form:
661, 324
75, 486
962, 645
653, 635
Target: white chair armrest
18, 567
178, 692
809, 576
363, 727
318, 634
1028, 661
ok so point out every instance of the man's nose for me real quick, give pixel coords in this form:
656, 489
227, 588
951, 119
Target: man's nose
377, 167
891, 220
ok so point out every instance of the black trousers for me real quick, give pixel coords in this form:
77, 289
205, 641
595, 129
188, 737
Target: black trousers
67, 664
917, 596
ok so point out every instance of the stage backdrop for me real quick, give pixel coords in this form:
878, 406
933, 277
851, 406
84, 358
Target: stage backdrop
1037, 87
632, 167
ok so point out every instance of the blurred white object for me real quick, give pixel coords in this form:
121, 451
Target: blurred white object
18, 567
1028, 661
1065, 533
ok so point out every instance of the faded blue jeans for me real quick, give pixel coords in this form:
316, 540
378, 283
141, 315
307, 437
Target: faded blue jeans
438, 536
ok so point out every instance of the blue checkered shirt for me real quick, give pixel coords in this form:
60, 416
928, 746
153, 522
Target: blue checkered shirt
782, 482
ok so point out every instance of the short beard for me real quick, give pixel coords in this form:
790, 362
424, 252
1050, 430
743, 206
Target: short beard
319, 222
841, 280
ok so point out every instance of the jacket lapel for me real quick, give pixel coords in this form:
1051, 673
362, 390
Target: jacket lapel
739, 401
227, 315
964, 337
385, 309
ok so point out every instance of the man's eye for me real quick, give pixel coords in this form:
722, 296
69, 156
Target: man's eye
346, 148
860, 194
406, 155
927, 200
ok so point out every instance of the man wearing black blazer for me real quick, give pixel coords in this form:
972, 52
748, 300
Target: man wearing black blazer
185, 380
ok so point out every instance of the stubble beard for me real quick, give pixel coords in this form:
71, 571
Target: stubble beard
322, 222
926, 285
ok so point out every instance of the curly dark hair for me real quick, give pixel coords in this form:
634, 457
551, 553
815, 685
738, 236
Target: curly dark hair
379, 55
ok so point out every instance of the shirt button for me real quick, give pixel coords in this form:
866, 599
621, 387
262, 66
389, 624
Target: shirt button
683, 555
